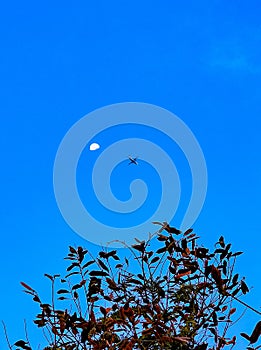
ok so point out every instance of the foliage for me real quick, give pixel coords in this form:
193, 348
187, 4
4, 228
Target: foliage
180, 297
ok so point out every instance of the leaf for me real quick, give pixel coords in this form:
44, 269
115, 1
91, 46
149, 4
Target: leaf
185, 340
62, 291
140, 276
214, 317
157, 223
115, 257
76, 286
98, 273
235, 291
232, 311
219, 250
72, 273
36, 298
54, 330
212, 330
228, 247
103, 266
256, 333
244, 287
221, 242
189, 238
112, 285
103, 311
235, 278
27, 287
155, 259
184, 244
161, 250
72, 266
85, 334
245, 336
201, 252
107, 255
237, 253
182, 273
188, 231
172, 270
22, 344
232, 341
49, 276
72, 250
140, 247
88, 263
172, 230
162, 238
215, 273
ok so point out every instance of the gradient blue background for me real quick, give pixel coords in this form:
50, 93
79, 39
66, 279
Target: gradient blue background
59, 61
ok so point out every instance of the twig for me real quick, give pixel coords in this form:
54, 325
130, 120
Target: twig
26, 333
245, 304
6, 336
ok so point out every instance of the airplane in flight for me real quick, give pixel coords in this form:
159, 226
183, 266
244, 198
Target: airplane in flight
133, 160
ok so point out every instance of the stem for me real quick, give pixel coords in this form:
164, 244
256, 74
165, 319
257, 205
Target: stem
245, 304
54, 317
26, 333
6, 336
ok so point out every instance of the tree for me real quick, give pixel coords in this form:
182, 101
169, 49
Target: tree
180, 297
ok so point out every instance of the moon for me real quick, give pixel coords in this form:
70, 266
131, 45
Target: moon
94, 146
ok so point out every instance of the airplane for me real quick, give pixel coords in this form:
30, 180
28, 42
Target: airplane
133, 160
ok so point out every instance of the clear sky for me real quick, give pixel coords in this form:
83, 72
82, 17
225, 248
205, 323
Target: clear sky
60, 61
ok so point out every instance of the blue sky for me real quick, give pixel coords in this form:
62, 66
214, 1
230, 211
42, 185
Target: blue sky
60, 61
